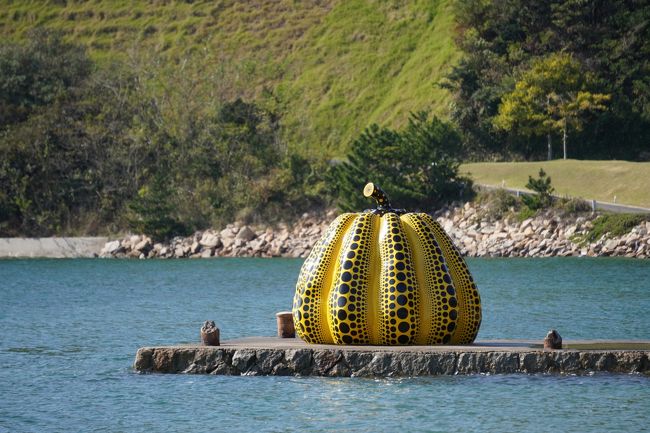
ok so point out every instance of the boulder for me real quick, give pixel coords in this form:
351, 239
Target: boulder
210, 240
246, 234
227, 233
111, 247
143, 246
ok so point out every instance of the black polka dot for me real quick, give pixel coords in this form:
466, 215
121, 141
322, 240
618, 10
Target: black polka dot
342, 301
402, 313
342, 314
403, 339
401, 299
403, 326
344, 328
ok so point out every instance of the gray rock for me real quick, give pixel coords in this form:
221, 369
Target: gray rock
243, 359
210, 240
299, 361
266, 361
325, 360
357, 362
227, 233
111, 247
144, 245
246, 234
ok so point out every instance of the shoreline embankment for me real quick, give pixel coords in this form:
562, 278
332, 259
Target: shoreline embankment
548, 234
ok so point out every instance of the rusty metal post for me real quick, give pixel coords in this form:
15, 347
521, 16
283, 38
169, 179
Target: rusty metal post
285, 324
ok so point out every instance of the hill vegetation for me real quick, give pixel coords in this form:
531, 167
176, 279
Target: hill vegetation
334, 66
559, 77
171, 116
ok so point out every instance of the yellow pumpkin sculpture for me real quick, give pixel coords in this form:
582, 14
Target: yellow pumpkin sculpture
386, 277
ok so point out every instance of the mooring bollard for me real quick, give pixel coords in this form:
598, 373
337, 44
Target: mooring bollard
553, 340
210, 334
285, 324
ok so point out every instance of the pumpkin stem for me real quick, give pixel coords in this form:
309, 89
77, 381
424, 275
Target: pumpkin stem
374, 191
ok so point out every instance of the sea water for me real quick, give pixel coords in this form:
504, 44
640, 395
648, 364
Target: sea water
69, 330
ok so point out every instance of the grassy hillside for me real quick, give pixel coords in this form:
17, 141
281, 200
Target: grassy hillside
336, 65
629, 182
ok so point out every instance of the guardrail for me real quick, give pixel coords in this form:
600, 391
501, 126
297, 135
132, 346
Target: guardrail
595, 205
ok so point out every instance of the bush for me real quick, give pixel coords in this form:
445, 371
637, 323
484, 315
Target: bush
152, 211
525, 213
417, 166
614, 225
497, 203
573, 205
37, 73
543, 189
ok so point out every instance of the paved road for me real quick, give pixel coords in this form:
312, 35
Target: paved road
595, 205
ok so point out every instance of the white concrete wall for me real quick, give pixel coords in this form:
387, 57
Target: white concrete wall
51, 247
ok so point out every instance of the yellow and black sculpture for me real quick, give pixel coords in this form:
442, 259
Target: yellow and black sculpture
386, 277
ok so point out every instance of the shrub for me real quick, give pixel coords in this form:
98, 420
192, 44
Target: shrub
525, 213
497, 203
417, 166
573, 205
542, 186
613, 225
152, 211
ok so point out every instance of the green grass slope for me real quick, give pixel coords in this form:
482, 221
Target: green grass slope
609, 181
336, 65
368, 62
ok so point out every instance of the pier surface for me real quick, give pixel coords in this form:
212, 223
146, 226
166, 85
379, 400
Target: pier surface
275, 356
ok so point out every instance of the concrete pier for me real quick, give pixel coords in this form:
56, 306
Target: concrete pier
292, 357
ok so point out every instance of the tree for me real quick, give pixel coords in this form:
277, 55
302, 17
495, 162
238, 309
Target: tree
417, 166
152, 211
500, 40
542, 186
549, 98
37, 73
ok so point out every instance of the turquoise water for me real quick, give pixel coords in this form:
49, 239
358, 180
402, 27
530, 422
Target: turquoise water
70, 330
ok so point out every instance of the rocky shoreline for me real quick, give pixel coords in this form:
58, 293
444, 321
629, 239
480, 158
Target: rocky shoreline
545, 235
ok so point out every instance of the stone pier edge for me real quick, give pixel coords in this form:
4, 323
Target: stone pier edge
377, 363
